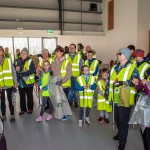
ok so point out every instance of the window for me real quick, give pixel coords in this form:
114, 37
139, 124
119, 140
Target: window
35, 45
20, 43
50, 44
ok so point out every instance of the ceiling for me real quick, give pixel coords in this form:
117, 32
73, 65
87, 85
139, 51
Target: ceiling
64, 15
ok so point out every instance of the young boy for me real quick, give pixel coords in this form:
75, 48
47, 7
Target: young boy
102, 104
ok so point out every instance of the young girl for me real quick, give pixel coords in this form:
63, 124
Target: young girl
86, 85
45, 95
102, 104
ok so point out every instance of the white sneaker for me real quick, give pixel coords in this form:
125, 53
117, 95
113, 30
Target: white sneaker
80, 123
87, 120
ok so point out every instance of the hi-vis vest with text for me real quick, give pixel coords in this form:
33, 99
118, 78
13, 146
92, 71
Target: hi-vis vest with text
30, 79
75, 64
6, 77
86, 96
93, 66
102, 103
142, 69
123, 75
41, 63
63, 73
45, 80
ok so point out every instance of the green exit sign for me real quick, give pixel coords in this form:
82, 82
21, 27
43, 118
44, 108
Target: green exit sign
50, 31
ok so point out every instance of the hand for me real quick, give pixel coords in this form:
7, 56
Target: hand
144, 82
17, 68
59, 82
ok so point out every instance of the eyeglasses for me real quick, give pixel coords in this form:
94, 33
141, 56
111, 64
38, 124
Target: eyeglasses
119, 54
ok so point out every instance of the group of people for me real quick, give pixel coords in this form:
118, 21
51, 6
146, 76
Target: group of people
79, 75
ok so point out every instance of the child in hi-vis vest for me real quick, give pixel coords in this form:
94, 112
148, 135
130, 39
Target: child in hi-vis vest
86, 85
102, 104
44, 91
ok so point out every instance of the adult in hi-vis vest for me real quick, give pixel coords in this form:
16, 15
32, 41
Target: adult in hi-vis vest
62, 67
76, 62
8, 81
123, 71
93, 64
25, 76
142, 65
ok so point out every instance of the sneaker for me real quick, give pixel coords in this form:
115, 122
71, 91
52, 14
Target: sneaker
80, 123
76, 105
107, 121
101, 120
116, 137
87, 120
49, 117
65, 117
39, 119
3, 117
12, 118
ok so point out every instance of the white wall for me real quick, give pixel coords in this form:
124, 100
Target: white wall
143, 25
125, 26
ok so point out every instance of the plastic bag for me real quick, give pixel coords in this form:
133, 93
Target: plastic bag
141, 113
59, 99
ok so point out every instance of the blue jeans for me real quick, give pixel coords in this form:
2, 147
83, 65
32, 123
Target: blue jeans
72, 96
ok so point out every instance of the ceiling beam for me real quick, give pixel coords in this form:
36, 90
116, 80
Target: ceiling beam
44, 21
23, 7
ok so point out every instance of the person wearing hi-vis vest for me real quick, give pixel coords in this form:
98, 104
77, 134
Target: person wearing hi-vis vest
62, 67
142, 65
92, 63
25, 75
103, 105
120, 89
45, 93
8, 82
85, 85
76, 62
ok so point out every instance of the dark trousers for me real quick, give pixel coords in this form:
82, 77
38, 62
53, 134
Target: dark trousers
146, 138
45, 101
23, 92
9, 97
122, 116
66, 91
87, 112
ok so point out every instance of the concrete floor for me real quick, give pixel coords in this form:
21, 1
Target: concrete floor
27, 134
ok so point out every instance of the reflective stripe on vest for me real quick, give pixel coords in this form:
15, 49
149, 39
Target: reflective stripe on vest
6, 77
124, 75
142, 68
75, 64
87, 98
42, 62
93, 66
30, 79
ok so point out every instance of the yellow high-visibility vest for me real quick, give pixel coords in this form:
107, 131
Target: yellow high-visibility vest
86, 96
6, 77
